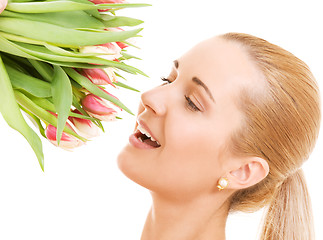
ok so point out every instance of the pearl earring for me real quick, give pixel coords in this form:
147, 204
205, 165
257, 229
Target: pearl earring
222, 183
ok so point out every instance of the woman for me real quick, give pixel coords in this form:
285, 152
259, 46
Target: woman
228, 131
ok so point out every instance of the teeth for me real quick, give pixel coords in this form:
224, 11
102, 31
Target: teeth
143, 131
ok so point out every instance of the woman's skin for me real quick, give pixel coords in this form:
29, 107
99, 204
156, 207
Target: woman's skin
3, 4
192, 118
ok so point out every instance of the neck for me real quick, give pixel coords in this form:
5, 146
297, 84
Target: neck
202, 218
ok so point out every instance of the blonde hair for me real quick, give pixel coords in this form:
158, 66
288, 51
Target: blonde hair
281, 126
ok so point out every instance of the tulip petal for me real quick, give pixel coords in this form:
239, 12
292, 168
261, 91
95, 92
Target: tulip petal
97, 76
86, 127
94, 104
107, 117
11, 113
77, 105
86, 83
68, 142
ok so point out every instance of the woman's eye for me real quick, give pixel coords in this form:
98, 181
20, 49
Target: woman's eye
167, 81
189, 102
191, 105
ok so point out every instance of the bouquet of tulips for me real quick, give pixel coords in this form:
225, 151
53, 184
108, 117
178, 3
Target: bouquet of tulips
57, 60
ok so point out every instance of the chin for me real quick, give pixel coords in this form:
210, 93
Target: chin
130, 167
123, 159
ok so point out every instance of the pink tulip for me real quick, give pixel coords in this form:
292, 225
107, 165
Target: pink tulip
86, 127
110, 72
106, 1
98, 76
118, 29
68, 142
111, 96
122, 45
3, 5
98, 108
109, 51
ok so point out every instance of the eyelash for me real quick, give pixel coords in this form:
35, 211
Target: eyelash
189, 102
165, 80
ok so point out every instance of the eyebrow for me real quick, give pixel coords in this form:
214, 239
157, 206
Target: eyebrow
200, 83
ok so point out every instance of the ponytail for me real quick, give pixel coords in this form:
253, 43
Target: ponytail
289, 216
281, 125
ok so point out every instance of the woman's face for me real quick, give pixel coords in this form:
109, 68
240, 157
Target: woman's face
192, 118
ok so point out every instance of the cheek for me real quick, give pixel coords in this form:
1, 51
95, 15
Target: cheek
191, 160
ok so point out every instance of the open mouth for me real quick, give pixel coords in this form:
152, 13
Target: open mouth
145, 137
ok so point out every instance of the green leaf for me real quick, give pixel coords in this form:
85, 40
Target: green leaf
118, 75
9, 47
63, 52
17, 38
120, 21
43, 103
61, 6
16, 1
25, 82
11, 113
120, 84
127, 56
8, 60
47, 105
86, 83
118, 6
80, 18
35, 120
59, 35
62, 98
130, 44
93, 13
41, 113
43, 69
43, 53
46, 7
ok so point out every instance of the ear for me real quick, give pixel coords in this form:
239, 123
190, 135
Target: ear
250, 173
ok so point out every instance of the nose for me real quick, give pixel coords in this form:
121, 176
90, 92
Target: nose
154, 100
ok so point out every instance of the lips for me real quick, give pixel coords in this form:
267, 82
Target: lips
143, 138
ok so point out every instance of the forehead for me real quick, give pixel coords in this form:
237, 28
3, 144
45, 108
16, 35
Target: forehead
220, 64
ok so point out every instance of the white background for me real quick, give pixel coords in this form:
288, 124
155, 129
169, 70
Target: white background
82, 194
